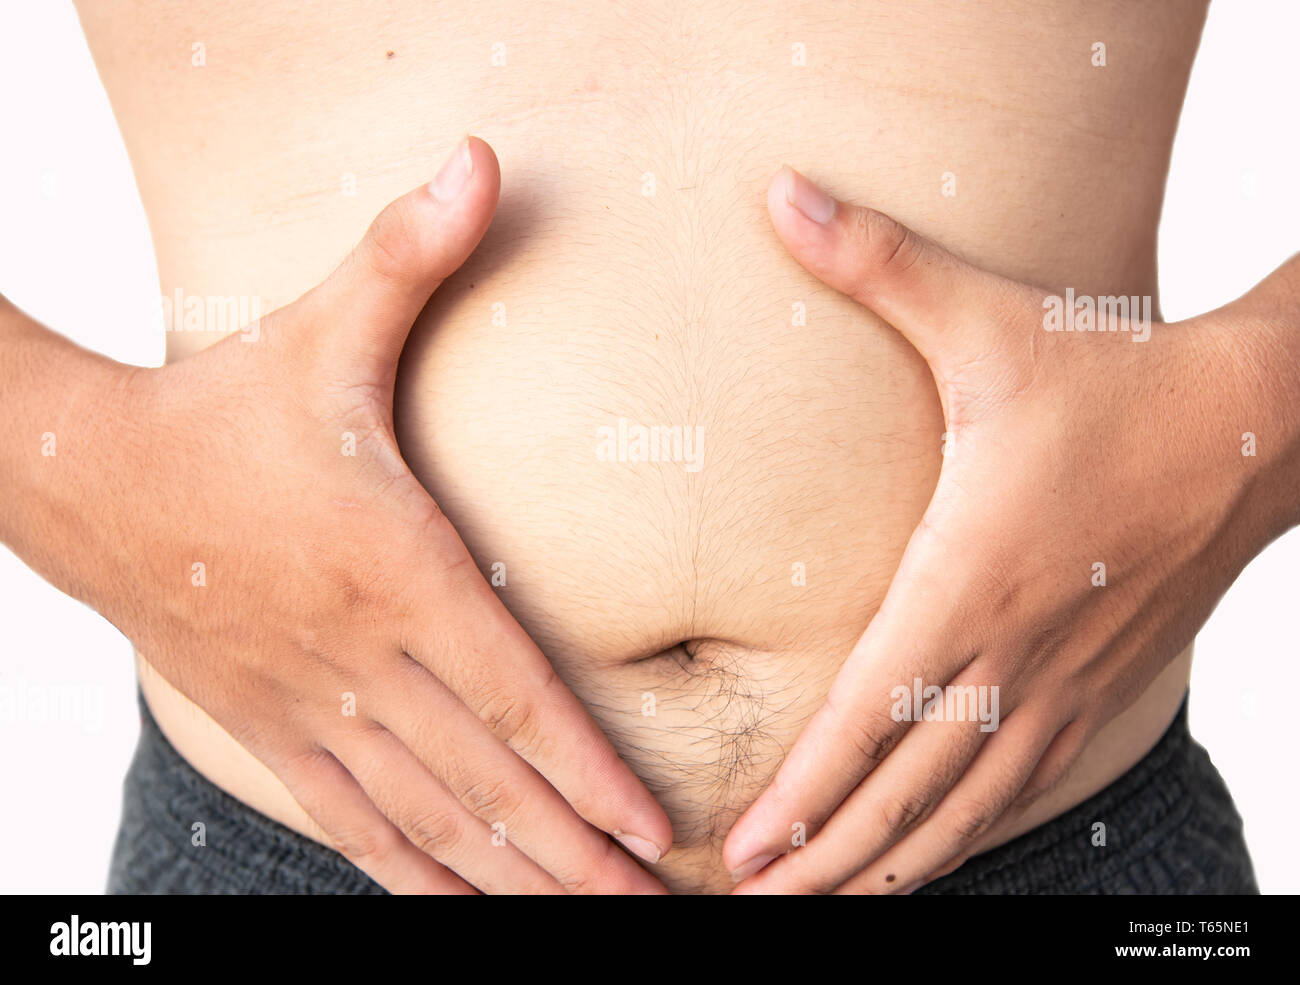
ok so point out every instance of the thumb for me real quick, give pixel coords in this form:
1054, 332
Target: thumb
362, 313
951, 311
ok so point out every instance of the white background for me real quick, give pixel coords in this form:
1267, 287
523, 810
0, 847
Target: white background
75, 253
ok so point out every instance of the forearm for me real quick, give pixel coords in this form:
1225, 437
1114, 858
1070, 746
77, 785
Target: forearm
61, 453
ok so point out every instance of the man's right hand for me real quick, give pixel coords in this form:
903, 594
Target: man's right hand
268, 551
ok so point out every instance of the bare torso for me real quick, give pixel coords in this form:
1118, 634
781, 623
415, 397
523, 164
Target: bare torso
631, 272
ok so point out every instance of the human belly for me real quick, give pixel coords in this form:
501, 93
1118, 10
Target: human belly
689, 467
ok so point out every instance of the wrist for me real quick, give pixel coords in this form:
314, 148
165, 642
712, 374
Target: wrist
62, 406
1264, 329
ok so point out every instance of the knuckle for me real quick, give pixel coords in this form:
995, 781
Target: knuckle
363, 845
437, 833
873, 737
388, 250
890, 247
491, 799
511, 718
901, 814
593, 883
970, 820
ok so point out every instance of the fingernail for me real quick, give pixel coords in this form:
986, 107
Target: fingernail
454, 175
639, 847
742, 872
807, 197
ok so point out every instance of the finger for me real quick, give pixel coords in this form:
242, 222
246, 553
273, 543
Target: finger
1052, 768
892, 801
980, 798
432, 819
950, 310
374, 296
477, 649
919, 633
359, 831
498, 787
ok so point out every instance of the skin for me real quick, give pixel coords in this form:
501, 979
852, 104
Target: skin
1131, 454
205, 242
461, 722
